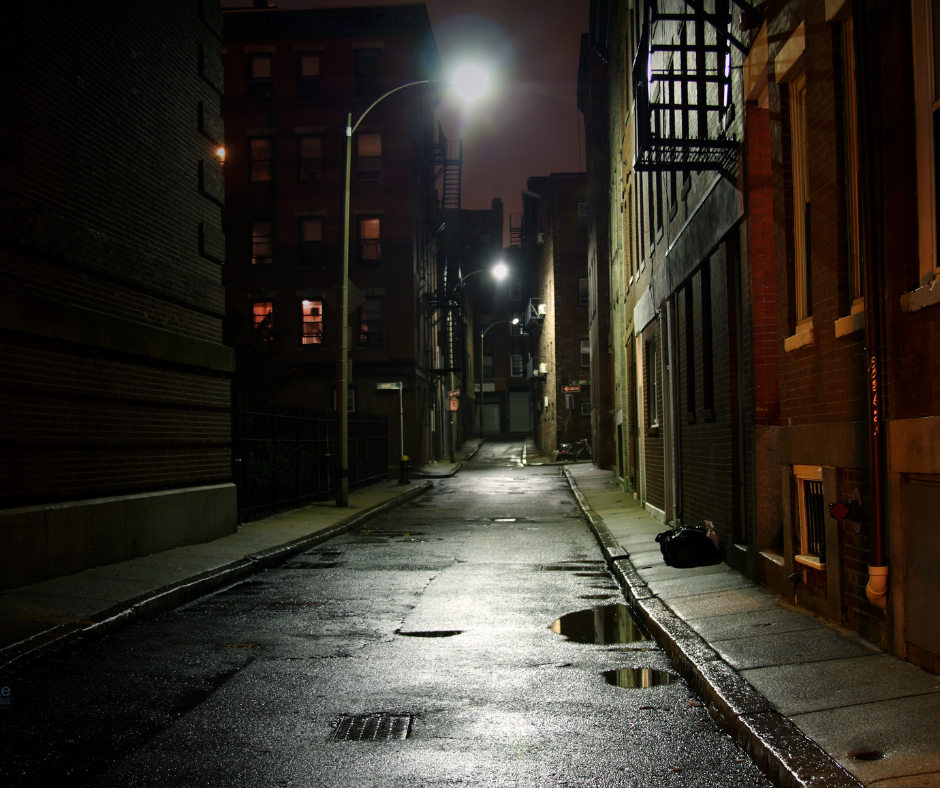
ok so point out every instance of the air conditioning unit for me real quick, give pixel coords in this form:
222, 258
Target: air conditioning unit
543, 310
540, 238
543, 368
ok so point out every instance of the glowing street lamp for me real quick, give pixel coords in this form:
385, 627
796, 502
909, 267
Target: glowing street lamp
469, 83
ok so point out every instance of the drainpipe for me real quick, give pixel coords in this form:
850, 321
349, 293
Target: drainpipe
877, 587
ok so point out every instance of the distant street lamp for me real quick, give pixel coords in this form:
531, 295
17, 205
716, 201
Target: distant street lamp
470, 82
515, 322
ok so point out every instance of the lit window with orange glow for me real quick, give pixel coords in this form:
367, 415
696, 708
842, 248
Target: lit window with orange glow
260, 311
312, 312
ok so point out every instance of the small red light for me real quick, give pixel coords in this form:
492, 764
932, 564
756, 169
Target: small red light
839, 510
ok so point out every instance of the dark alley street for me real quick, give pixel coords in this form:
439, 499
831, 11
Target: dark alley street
436, 620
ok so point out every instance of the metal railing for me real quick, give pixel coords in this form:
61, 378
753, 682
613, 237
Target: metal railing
285, 457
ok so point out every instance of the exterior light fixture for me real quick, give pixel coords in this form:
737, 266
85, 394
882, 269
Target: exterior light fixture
220, 152
500, 270
470, 82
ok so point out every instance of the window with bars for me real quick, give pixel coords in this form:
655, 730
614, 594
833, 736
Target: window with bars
311, 243
369, 157
518, 367
368, 72
312, 322
309, 159
811, 513
308, 75
260, 159
260, 77
262, 243
370, 240
371, 323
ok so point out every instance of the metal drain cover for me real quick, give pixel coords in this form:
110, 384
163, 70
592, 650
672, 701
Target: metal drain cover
371, 727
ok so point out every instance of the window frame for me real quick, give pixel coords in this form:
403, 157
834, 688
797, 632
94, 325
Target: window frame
364, 88
583, 355
309, 253
584, 291
255, 84
258, 318
582, 216
488, 360
799, 173
366, 327
301, 159
373, 174
252, 160
652, 397
309, 88
516, 371
810, 474
367, 262
315, 337
853, 227
259, 259
585, 407
926, 118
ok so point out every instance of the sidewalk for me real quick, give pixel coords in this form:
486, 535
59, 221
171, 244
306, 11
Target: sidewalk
442, 469
531, 456
811, 704
46, 616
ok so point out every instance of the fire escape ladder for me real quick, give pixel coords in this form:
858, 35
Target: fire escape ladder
515, 229
448, 162
682, 85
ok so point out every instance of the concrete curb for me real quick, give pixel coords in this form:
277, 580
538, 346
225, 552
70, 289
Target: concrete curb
453, 472
176, 594
779, 748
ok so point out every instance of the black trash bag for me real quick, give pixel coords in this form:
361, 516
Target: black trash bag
687, 547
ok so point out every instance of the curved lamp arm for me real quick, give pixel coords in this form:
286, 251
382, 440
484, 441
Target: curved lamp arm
350, 130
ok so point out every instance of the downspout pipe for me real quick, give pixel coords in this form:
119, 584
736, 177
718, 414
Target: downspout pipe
877, 588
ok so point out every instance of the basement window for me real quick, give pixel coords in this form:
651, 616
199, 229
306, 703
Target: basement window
811, 513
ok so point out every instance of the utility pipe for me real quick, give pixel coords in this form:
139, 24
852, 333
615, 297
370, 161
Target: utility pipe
877, 588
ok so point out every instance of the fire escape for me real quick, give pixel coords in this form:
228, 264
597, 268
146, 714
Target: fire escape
448, 161
682, 84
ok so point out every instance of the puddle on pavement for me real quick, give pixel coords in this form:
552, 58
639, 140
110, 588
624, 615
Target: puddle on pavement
602, 625
581, 569
432, 633
639, 678
312, 565
597, 596
591, 574
867, 755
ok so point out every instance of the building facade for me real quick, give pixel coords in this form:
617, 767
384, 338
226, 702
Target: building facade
111, 251
291, 77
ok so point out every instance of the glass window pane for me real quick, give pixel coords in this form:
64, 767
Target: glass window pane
370, 228
309, 65
311, 147
261, 67
313, 230
369, 145
260, 149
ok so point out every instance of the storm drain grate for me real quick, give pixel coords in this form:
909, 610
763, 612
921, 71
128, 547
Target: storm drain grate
371, 727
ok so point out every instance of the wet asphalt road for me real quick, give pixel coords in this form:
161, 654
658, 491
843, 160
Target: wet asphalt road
437, 614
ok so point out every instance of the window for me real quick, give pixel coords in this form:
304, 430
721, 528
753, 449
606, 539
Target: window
259, 313
308, 76
798, 149
585, 407
262, 243
260, 81
367, 72
487, 365
811, 513
582, 216
518, 368
369, 157
371, 323
312, 318
856, 284
370, 240
515, 289
311, 243
261, 159
653, 383
585, 352
584, 295
926, 35
310, 159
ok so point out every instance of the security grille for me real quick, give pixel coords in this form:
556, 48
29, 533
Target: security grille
815, 520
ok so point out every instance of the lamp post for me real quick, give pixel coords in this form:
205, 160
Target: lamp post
515, 322
470, 83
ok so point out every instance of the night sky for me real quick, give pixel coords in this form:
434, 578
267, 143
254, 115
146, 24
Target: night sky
529, 124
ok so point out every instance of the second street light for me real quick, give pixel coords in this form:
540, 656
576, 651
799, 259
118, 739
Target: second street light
470, 82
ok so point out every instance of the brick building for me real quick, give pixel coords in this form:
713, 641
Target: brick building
291, 76
558, 318
775, 293
110, 257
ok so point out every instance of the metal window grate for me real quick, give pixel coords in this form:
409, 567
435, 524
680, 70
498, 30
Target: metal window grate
371, 727
815, 519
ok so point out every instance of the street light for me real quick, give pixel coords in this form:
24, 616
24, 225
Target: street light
515, 322
467, 83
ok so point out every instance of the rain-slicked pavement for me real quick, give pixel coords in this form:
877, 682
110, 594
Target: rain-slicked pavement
423, 649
